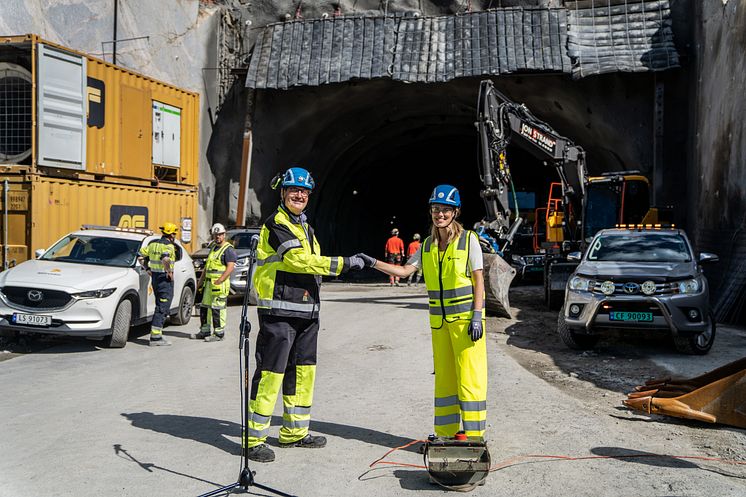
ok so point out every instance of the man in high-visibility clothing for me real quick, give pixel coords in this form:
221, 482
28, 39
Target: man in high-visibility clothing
412, 249
394, 252
287, 281
158, 258
215, 284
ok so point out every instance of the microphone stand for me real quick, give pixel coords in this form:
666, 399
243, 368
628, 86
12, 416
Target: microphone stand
246, 476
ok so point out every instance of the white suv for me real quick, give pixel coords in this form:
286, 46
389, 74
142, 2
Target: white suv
89, 284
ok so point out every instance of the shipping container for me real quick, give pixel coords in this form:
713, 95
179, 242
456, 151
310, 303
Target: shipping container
68, 114
37, 210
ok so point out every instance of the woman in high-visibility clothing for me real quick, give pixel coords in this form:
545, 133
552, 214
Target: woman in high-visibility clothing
451, 260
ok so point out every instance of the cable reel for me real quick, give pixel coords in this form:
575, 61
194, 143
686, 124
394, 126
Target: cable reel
460, 463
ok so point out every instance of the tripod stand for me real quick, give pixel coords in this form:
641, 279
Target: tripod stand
246, 476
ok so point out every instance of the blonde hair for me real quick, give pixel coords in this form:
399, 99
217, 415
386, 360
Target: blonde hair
454, 229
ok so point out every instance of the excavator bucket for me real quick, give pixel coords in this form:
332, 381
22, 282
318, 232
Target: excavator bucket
718, 396
498, 275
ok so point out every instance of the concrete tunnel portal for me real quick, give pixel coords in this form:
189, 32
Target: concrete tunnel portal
377, 148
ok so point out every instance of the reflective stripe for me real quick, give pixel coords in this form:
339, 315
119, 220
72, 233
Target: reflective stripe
426, 248
446, 401
474, 405
450, 294
333, 266
462, 240
297, 410
450, 419
475, 425
288, 306
290, 244
458, 308
298, 423
258, 433
259, 419
269, 260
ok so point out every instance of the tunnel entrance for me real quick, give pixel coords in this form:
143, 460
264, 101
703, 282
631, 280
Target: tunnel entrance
377, 148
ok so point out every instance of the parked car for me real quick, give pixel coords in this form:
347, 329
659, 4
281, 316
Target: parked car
89, 284
240, 238
647, 280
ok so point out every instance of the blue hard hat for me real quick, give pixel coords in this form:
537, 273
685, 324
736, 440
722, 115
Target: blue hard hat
446, 195
295, 176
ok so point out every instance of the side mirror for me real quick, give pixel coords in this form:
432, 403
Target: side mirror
204, 245
706, 257
574, 256
39, 252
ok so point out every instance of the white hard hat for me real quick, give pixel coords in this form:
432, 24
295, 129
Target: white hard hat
394, 231
217, 228
416, 236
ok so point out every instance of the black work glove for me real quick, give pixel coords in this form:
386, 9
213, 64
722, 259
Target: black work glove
354, 262
368, 260
475, 327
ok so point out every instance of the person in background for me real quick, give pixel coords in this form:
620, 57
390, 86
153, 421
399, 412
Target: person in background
394, 252
451, 261
412, 249
158, 258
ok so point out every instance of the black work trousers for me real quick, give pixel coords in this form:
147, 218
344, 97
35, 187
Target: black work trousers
164, 294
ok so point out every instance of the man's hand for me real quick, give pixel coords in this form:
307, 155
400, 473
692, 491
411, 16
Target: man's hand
368, 260
356, 263
475, 327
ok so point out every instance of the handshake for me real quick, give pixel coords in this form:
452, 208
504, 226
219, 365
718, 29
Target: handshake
359, 261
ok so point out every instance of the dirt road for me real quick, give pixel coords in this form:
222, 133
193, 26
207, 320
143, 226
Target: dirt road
79, 420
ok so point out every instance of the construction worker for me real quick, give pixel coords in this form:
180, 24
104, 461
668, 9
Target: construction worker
451, 261
287, 279
158, 258
215, 284
394, 252
412, 249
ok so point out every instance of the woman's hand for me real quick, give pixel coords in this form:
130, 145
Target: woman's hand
475, 327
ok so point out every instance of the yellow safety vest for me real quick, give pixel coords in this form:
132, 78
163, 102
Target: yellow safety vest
287, 280
214, 267
155, 251
449, 286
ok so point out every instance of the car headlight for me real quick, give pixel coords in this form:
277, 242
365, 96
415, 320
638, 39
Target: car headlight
648, 287
607, 287
579, 283
518, 259
95, 294
242, 261
689, 286
197, 263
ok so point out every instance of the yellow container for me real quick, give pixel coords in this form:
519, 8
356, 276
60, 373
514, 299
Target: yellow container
42, 209
130, 128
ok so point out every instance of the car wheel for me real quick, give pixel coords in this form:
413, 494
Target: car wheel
120, 326
576, 341
184, 314
698, 344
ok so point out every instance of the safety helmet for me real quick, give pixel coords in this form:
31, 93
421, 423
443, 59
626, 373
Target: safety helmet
394, 231
416, 236
295, 176
169, 229
446, 195
217, 229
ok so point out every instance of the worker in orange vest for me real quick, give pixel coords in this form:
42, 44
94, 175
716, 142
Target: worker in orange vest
412, 249
394, 253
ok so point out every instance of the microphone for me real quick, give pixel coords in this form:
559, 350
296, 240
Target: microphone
254, 242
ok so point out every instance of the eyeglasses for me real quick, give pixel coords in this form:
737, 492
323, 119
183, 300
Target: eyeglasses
303, 192
445, 209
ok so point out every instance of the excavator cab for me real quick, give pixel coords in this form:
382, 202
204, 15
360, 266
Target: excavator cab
615, 198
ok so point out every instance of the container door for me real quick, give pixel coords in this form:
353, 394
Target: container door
166, 134
61, 108
134, 133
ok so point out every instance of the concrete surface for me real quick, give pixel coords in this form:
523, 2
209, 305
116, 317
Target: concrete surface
78, 420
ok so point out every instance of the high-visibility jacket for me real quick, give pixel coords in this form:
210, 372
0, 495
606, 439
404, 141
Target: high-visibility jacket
214, 266
156, 251
448, 281
290, 267
394, 245
413, 248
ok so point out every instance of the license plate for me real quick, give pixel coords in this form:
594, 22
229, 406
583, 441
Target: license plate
32, 319
630, 316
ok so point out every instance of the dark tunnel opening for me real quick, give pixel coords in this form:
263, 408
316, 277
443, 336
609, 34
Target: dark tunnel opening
377, 148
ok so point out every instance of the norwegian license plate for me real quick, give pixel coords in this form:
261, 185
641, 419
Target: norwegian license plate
32, 319
630, 316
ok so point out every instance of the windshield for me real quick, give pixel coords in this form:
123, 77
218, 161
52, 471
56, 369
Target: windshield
601, 209
241, 240
649, 247
89, 249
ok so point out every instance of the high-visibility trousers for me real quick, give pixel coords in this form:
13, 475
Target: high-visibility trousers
285, 358
213, 310
460, 380
163, 288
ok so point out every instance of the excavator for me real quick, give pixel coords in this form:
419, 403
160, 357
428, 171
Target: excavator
578, 205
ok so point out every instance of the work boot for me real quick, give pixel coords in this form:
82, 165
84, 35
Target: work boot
309, 441
200, 336
159, 342
261, 453
217, 337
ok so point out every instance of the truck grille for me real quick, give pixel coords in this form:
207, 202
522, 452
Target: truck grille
634, 288
36, 298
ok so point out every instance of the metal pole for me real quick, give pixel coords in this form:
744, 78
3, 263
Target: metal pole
114, 49
5, 224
